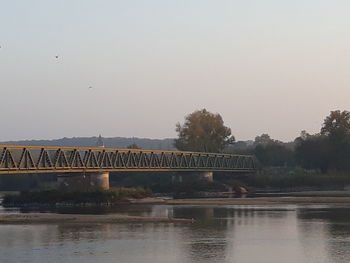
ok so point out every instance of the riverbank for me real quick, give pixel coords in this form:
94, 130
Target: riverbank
312, 197
54, 198
47, 218
262, 201
53, 218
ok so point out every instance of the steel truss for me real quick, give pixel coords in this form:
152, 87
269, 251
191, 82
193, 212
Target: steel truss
47, 159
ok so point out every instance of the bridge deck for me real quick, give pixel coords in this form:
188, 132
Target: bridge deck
16, 159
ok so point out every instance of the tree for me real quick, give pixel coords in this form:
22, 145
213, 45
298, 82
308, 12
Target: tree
272, 152
329, 150
203, 131
263, 139
336, 126
304, 135
133, 146
313, 152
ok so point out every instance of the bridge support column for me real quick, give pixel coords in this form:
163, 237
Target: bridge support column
192, 177
176, 178
77, 182
207, 176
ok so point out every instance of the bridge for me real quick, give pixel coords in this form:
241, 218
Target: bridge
99, 161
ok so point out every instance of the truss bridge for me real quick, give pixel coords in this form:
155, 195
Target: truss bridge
22, 159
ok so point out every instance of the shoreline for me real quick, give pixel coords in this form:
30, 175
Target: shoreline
299, 198
51, 218
262, 201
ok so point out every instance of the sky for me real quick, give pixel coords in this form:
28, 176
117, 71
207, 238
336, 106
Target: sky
272, 66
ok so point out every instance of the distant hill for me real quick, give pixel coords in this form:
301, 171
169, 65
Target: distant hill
123, 142
115, 142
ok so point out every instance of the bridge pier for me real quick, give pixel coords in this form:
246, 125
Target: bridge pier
192, 176
78, 182
207, 176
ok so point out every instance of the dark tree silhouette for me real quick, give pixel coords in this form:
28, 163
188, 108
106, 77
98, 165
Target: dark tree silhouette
203, 131
329, 150
337, 125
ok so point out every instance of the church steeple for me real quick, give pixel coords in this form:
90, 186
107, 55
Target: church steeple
99, 142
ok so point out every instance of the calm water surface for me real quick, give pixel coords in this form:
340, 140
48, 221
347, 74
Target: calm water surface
237, 234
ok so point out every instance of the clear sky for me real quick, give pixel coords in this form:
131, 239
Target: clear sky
272, 66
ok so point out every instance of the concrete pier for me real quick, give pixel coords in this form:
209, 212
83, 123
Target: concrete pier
77, 182
192, 176
207, 176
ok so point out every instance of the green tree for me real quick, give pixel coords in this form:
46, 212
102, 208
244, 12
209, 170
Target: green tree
272, 152
336, 126
203, 131
313, 152
329, 150
263, 139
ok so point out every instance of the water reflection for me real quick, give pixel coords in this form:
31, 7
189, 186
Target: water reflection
331, 224
221, 234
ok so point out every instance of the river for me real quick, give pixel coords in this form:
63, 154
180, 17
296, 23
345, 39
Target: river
239, 234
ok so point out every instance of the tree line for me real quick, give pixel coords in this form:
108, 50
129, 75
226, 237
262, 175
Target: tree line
328, 150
